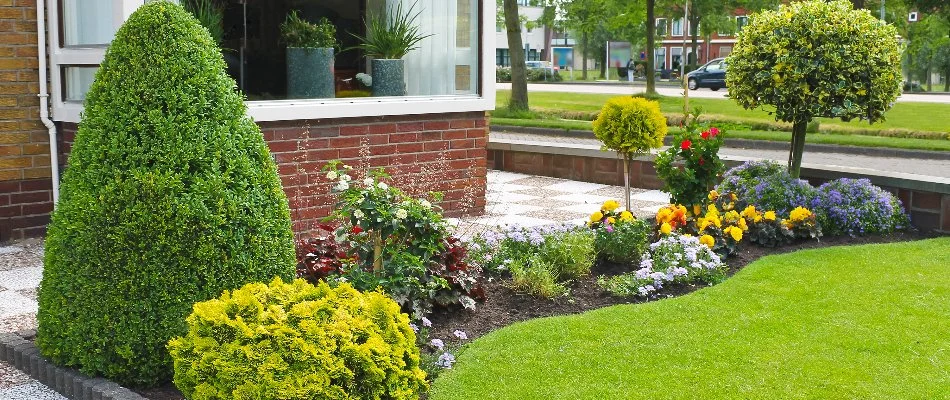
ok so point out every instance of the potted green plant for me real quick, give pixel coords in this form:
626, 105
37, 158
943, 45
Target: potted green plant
309, 56
388, 40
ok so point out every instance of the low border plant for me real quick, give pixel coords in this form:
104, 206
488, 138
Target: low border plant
856, 207
674, 258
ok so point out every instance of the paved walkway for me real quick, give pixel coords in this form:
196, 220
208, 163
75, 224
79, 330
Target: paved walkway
512, 199
858, 163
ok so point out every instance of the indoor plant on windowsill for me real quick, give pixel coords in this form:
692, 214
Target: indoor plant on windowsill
309, 57
387, 40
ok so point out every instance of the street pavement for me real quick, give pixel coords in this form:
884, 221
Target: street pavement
621, 88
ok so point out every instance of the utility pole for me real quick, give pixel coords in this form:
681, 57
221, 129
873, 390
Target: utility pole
882, 9
683, 57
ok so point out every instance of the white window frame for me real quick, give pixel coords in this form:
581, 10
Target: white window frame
739, 28
284, 110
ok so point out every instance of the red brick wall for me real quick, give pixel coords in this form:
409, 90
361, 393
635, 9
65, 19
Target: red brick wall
25, 188
426, 152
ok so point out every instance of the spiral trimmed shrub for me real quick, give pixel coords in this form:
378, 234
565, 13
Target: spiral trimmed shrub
170, 198
768, 186
857, 207
298, 341
630, 125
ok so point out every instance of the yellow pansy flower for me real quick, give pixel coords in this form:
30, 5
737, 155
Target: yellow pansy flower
697, 208
735, 232
626, 216
666, 228
749, 212
702, 224
742, 224
610, 205
663, 215
712, 209
708, 241
596, 217
770, 215
799, 214
713, 195
611, 220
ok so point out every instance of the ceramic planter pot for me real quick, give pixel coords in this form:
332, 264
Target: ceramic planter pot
310, 73
389, 78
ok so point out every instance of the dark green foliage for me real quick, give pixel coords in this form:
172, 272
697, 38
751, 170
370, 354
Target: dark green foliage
625, 242
298, 32
170, 198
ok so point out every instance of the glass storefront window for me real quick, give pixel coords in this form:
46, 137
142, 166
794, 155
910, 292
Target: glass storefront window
88, 22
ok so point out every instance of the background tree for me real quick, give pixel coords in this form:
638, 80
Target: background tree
585, 18
815, 59
519, 76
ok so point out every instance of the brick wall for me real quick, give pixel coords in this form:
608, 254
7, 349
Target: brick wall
25, 188
427, 152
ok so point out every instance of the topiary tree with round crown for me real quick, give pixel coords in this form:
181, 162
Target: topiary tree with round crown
631, 126
815, 59
170, 198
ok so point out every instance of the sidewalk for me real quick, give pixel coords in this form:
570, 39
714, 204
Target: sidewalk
858, 163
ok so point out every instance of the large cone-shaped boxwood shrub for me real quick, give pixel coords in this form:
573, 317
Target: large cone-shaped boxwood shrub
170, 198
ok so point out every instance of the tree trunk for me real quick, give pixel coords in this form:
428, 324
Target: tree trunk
626, 180
693, 57
930, 83
858, 4
585, 43
651, 36
946, 81
797, 148
519, 78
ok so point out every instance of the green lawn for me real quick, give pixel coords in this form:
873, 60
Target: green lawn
904, 115
869, 322
778, 136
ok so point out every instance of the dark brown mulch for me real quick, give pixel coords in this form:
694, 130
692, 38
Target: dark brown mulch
504, 306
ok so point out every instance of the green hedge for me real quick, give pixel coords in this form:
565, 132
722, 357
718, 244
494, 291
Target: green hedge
298, 341
170, 198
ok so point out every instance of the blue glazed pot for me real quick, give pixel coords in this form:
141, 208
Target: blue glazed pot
310, 73
389, 78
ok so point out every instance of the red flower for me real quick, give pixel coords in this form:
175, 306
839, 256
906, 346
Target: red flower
705, 135
701, 161
686, 144
714, 131
356, 230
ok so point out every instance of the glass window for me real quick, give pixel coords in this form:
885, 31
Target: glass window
678, 27
660, 60
741, 22
661, 27
78, 79
89, 23
502, 58
445, 63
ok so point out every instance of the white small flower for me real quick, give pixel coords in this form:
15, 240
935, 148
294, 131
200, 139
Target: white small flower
460, 335
345, 178
467, 302
331, 175
401, 214
341, 186
368, 182
425, 203
358, 214
437, 343
426, 323
382, 185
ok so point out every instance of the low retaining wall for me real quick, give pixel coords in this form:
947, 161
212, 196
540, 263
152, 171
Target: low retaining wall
926, 198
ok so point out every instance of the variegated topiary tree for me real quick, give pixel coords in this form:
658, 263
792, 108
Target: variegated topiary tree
815, 59
631, 126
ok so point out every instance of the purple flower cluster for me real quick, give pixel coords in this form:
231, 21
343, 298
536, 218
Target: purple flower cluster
768, 186
857, 207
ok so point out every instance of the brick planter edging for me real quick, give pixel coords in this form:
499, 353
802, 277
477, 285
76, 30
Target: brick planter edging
23, 355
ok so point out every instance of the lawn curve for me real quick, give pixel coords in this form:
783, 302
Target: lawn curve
866, 322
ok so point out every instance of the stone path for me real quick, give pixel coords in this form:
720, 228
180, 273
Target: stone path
21, 268
512, 199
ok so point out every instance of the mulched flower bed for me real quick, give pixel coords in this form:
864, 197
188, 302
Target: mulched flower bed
504, 306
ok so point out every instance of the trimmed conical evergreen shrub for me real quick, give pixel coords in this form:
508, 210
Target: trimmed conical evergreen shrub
170, 198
